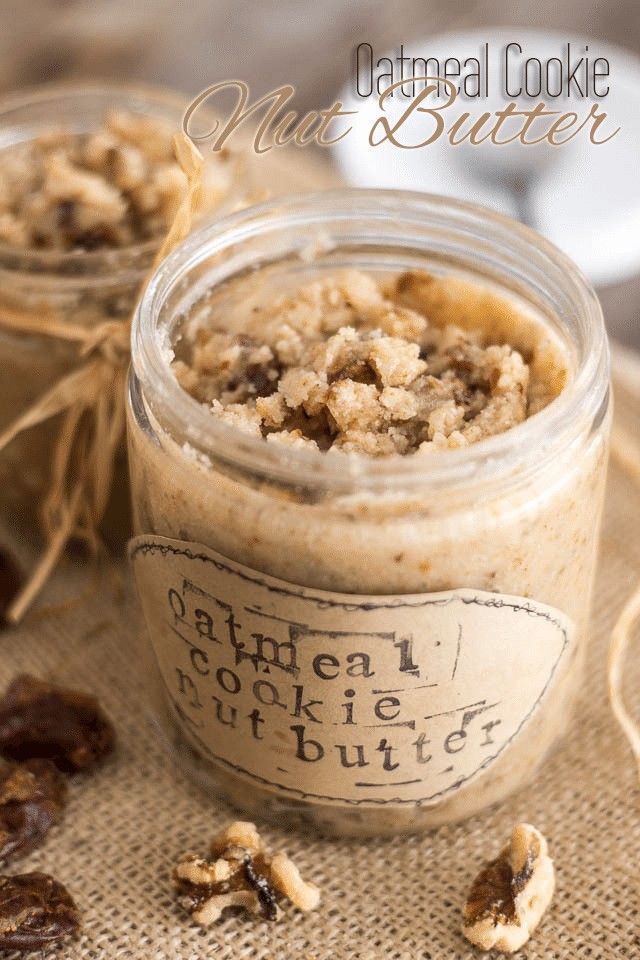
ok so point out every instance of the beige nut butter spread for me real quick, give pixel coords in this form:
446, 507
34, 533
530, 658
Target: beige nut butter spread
353, 364
381, 660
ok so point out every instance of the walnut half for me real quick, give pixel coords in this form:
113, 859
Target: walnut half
510, 895
241, 874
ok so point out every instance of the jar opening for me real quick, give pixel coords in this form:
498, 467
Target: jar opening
79, 109
398, 228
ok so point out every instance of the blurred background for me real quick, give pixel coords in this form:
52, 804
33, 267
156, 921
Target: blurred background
192, 44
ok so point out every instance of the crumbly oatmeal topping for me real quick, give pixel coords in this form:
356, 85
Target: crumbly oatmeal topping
344, 364
510, 895
113, 188
241, 873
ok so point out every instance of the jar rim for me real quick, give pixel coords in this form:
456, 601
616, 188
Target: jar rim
173, 407
108, 259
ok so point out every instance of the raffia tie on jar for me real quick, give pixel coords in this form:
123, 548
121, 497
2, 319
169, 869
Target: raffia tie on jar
90, 400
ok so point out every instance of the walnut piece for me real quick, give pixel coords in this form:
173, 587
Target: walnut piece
510, 895
241, 874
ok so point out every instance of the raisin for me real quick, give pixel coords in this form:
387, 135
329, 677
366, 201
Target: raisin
95, 239
39, 719
261, 385
35, 911
358, 370
32, 796
10, 583
66, 215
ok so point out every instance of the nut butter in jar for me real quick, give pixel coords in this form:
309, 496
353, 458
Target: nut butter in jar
89, 188
368, 441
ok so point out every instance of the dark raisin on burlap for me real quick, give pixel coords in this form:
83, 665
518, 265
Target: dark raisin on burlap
32, 798
45, 720
36, 910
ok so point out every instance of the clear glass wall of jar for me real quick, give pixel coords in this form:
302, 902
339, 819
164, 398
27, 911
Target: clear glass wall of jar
516, 514
82, 287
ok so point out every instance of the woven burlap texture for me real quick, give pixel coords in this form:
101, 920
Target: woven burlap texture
398, 900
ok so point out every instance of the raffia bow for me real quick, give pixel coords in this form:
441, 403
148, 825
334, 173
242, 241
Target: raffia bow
90, 399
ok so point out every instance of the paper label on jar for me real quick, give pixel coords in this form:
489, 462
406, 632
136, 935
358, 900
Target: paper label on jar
342, 698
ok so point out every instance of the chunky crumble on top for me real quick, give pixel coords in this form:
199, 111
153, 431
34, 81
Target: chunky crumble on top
344, 364
112, 188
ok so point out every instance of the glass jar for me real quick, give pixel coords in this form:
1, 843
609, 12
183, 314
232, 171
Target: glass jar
82, 287
312, 614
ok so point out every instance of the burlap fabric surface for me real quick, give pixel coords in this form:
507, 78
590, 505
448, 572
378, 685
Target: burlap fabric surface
400, 899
